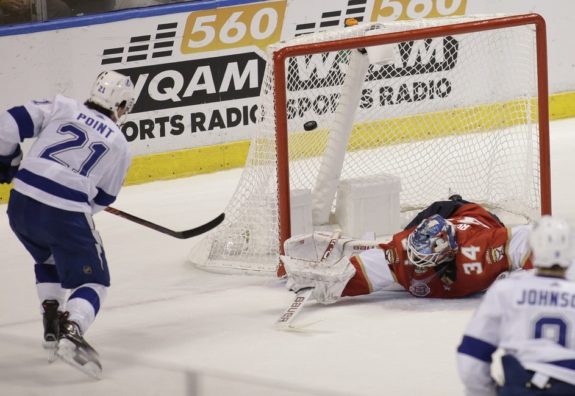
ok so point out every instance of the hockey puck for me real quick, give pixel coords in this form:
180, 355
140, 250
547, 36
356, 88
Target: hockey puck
310, 125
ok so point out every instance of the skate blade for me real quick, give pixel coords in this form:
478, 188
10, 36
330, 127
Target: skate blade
67, 352
51, 347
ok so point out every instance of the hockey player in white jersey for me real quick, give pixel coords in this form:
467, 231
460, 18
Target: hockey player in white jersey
74, 168
530, 316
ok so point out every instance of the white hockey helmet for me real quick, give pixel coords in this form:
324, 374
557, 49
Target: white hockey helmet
112, 91
551, 242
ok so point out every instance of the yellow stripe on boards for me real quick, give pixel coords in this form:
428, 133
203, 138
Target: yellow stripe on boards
190, 162
562, 105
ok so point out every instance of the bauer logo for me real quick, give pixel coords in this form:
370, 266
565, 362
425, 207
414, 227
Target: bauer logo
411, 58
172, 85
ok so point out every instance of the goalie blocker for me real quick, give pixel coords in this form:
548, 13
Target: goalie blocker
451, 249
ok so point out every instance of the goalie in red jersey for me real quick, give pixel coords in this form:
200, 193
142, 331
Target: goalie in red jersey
451, 249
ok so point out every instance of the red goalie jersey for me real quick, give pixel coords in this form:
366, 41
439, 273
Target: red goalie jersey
486, 249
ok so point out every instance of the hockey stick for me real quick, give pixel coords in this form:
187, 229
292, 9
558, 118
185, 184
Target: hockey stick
302, 295
192, 232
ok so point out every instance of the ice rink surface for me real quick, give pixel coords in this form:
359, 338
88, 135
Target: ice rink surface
168, 328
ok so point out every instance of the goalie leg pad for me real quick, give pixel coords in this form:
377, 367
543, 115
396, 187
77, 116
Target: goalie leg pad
311, 247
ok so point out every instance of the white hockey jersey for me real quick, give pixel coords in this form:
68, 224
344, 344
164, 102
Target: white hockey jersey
79, 159
529, 316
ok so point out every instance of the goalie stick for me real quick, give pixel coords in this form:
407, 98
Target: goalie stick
192, 232
287, 316
302, 295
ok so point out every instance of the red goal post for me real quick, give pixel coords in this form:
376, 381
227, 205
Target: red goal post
497, 127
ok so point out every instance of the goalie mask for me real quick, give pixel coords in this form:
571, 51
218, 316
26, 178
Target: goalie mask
432, 242
113, 91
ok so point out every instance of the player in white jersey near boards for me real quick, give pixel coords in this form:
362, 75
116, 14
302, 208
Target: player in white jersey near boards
530, 316
74, 169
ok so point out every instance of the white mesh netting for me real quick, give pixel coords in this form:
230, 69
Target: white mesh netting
448, 114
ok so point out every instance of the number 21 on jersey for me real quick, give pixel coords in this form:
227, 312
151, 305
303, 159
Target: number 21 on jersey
78, 140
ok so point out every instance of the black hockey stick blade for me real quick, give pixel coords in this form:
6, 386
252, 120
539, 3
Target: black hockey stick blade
192, 232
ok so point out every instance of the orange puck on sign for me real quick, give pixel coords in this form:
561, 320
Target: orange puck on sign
351, 22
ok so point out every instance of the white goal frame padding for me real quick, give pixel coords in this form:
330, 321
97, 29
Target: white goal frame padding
329, 172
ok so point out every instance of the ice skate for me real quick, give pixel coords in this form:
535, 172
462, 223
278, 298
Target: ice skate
51, 321
74, 350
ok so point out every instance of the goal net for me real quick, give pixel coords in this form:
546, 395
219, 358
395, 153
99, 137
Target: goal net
446, 105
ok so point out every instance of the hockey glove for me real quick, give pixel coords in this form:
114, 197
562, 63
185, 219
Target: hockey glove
327, 279
9, 165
